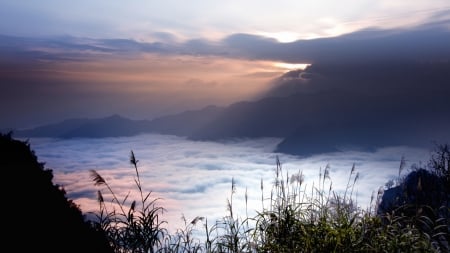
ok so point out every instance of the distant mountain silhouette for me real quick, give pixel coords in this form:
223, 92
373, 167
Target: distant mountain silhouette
182, 124
52, 130
328, 108
185, 123
366, 89
112, 126
323, 108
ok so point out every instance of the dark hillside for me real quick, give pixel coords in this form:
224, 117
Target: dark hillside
38, 215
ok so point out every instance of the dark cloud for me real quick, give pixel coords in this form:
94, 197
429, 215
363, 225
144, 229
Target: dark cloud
424, 43
427, 42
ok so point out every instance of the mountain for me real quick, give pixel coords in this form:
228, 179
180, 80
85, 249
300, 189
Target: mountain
52, 130
334, 107
182, 124
185, 123
112, 126
363, 90
380, 105
323, 108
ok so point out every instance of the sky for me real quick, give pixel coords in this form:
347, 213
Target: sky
179, 20
143, 59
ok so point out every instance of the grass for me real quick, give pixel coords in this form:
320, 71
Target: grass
136, 227
292, 219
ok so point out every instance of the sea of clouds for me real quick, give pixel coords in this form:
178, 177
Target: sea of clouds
193, 178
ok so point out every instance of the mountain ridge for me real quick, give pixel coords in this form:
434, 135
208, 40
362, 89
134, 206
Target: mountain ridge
368, 90
116, 125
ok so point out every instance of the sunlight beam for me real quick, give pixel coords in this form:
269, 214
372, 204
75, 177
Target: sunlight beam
291, 66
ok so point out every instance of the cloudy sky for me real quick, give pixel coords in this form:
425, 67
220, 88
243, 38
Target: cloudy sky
149, 20
141, 59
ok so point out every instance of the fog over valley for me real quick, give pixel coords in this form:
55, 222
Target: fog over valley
193, 178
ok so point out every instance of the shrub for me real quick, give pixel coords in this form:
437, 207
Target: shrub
421, 200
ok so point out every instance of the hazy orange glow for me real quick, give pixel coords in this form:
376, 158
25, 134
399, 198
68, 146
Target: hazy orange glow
202, 78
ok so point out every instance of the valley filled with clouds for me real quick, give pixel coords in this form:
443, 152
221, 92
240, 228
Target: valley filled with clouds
193, 178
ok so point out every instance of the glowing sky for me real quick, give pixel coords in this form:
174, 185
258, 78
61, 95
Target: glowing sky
142, 59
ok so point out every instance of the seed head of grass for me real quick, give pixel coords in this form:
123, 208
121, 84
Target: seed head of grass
97, 178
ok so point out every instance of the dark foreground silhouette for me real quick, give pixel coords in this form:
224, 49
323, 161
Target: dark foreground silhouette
411, 216
37, 214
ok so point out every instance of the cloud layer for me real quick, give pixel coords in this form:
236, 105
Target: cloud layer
149, 19
194, 178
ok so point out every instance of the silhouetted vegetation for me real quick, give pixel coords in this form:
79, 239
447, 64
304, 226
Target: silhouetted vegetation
410, 214
421, 199
133, 228
37, 213
296, 219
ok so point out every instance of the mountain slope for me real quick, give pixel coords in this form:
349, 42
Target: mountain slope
42, 210
334, 108
111, 126
350, 106
365, 89
182, 124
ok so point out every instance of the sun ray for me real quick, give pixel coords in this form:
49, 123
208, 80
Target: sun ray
291, 66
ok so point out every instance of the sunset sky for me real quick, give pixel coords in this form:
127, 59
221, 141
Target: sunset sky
142, 59
375, 72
